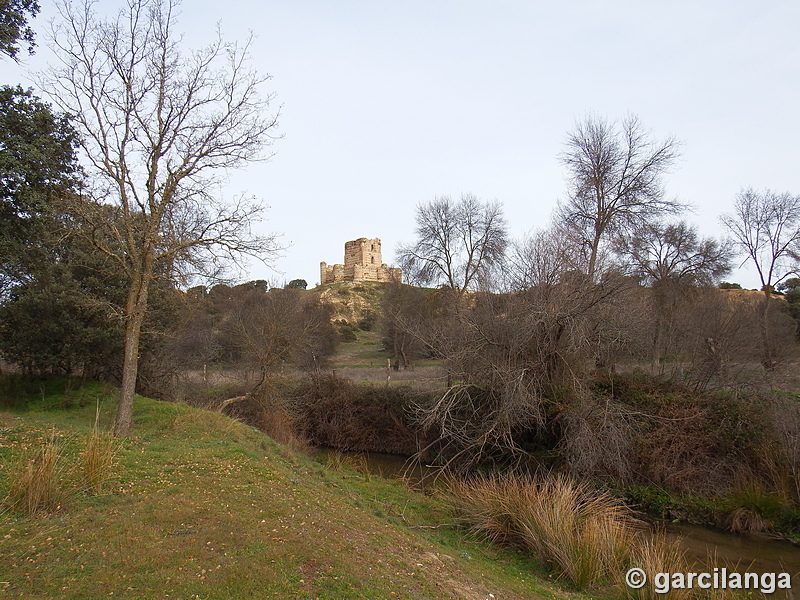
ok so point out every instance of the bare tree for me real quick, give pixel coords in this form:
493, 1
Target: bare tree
615, 174
509, 356
544, 257
766, 227
271, 329
458, 243
673, 260
160, 128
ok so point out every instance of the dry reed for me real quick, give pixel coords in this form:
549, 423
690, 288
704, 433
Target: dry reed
584, 534
35, 484
96, 460
654, 555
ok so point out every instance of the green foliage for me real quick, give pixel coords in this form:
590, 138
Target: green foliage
368, 321
296, 284
14, 15
729, 286
347, 332
650, 499
52, 326
791, 292
37, 166
66, 318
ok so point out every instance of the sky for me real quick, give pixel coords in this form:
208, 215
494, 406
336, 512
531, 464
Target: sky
386, 105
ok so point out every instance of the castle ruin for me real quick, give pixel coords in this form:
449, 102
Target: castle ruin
362, 262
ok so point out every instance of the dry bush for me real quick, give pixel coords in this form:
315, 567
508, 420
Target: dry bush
36, 482
335, 412
638, 428
511, 358
599, 437
680, 453
784, 416
268, 413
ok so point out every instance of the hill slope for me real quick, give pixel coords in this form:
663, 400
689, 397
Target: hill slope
204, 507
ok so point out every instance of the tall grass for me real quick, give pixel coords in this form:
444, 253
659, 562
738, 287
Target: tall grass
35, 482
44, 480
96, 460
654, 555
584, 534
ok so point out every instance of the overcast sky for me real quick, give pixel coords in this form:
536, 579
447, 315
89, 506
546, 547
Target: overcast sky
388, 104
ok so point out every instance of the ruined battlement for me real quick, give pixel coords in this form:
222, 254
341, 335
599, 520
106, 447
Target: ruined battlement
362, 262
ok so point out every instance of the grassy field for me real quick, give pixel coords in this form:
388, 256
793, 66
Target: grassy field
202, 507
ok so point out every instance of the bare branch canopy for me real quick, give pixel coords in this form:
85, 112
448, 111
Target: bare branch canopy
615, 180
161, 127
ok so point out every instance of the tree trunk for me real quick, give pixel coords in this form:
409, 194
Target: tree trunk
657, 366
130, 371
135, 309
768, 359
595, 251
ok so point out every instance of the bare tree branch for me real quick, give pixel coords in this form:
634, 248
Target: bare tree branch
161, 127
458, 243
615, 174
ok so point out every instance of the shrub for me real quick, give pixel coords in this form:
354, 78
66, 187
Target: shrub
335, 412
347, 332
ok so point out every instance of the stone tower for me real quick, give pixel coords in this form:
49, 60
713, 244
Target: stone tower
362, 262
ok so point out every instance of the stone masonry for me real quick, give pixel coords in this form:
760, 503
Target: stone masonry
362, 262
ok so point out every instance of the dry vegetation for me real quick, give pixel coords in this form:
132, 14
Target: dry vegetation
44, 478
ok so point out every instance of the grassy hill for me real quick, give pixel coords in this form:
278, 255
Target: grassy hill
361, 356
203, 507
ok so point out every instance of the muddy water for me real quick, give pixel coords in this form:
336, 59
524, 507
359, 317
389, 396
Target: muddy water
745, 553
754, 554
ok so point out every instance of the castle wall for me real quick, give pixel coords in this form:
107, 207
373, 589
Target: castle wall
362, 262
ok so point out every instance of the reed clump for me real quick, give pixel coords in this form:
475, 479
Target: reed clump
653, 555
584, 534
96, 460
36, 481
42, 481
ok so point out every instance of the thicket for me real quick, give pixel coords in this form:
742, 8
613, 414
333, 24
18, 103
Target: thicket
566, 373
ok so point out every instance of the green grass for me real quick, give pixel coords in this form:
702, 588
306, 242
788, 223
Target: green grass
199, 506
366, 352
